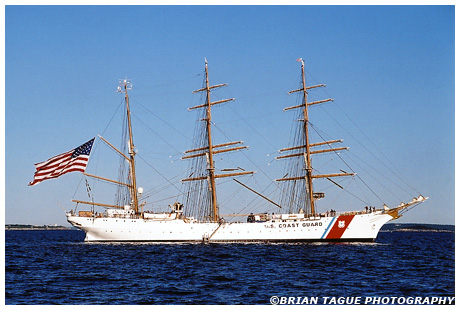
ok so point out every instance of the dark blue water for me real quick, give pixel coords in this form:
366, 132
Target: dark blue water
55, 267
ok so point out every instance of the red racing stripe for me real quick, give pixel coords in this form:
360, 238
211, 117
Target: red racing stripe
339, 227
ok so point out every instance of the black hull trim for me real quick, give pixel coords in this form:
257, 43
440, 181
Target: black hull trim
362, 240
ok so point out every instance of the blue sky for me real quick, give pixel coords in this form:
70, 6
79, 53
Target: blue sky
390, 69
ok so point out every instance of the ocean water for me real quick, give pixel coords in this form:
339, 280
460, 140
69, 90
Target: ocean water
56, 267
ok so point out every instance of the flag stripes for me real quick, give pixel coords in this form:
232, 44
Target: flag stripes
75, 160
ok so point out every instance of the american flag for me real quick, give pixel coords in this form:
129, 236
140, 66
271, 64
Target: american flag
71, 161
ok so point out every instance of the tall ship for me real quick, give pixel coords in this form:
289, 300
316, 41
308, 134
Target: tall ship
199, 219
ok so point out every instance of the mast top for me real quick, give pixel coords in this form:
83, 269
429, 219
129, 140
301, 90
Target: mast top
124, 85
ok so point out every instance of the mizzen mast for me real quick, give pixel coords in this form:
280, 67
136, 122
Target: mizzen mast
210, 150
124, 86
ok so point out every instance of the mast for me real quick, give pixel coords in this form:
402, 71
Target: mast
210, 150
306, 146
211, 171
306, 133
124, 86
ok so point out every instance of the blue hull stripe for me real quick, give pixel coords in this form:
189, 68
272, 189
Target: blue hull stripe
329, 225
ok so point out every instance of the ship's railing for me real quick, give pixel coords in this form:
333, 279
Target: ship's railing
263, 217
369, 211
104, 215
124, 216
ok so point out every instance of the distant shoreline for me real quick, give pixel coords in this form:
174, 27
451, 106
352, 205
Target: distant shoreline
417, 227
386, 227
35, 227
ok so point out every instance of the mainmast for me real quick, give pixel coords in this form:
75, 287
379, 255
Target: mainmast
124, 86
209, 150
307, 146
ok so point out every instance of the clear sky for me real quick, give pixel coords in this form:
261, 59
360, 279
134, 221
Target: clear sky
390, 69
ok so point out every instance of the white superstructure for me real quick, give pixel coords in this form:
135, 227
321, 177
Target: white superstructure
175, 227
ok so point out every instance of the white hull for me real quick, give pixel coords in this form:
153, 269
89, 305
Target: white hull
355, 227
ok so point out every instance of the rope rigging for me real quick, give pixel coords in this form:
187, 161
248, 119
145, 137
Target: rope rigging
348, 166
392, 170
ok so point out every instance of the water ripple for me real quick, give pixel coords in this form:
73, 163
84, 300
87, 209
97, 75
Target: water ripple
54, 267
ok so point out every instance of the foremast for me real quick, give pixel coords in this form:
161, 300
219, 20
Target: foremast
209, 150
306, 145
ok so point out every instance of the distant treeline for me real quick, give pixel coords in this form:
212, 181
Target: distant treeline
34, 227
386, 227
417, 227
